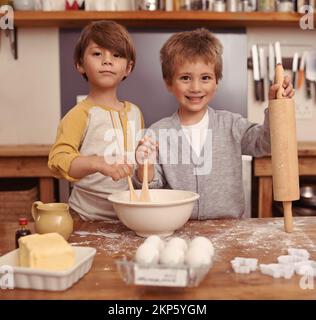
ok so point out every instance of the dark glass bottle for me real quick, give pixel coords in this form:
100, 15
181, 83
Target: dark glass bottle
23, 231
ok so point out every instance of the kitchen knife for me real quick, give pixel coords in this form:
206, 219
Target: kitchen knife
310, 72
263, 72
300, 76
271, 64
256, 72
294, 68
278, 55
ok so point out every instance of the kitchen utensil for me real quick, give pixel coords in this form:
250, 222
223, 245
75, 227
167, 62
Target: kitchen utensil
144, 195
294, 68
278, 55
263, 72
133, 195
308, 196
256, 72
311, 72
284, 150
301, 75
168, 211
271, 64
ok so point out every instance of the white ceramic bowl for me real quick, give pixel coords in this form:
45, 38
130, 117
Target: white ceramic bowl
168, 211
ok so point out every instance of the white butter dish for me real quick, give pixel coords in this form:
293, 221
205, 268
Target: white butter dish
39, 279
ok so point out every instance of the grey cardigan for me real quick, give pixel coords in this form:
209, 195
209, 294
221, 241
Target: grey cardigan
217, 174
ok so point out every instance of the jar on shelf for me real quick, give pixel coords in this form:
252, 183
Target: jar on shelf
285, 6
23, 5
266, 5
150, 5
219, 6
232, 5
244, 6
185, 4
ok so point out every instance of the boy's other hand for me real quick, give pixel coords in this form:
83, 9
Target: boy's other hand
147, 149
116, 168
288, 89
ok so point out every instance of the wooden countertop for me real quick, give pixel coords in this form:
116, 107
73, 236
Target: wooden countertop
307, 148
260, 238
25, 150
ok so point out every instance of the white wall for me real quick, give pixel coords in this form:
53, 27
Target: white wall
29, 88
291, 40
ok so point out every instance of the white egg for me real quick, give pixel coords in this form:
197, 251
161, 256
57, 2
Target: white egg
147, 254
197, 257
155, 241
202, 242
172, 256
178, 243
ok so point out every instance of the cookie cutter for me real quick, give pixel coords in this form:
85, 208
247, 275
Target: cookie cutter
278, 270
287, 259
298, 252
306, 268
244, 265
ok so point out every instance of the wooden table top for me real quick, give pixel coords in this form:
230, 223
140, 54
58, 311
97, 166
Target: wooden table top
264, 239
25, 150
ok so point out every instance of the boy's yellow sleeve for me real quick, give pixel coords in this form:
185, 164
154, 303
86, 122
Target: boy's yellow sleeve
69, 137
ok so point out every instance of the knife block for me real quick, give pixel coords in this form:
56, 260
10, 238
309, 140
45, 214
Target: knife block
284, 155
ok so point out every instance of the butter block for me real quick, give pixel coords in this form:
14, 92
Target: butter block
48, 251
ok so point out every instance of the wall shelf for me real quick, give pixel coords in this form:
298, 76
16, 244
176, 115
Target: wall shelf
157, 19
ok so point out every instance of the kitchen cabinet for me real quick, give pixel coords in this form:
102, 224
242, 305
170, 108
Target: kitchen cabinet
263, 171
157, 19
26, 161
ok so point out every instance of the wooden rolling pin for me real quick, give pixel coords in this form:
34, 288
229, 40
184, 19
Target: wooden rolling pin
284, 150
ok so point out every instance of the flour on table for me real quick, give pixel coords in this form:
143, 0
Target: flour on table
245, 236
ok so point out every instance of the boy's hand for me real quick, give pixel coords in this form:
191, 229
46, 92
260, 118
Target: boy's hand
288, 89
113, 167
147, 149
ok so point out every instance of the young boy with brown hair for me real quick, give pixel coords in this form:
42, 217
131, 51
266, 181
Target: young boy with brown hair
94, 137
201, 148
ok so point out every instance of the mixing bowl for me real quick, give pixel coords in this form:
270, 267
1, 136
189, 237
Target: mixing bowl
168, 211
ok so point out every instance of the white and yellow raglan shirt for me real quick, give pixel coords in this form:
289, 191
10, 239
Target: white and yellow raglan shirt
89, 129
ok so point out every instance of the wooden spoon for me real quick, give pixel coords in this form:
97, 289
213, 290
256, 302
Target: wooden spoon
132, 194
145, 196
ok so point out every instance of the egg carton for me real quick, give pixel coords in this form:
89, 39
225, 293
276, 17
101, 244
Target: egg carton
160, 275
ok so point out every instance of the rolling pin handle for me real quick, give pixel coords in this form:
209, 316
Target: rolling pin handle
288, 220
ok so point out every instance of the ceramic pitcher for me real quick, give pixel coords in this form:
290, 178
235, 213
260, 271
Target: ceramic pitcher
52, 217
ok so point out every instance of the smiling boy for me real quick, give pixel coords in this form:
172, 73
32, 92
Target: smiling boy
208, 144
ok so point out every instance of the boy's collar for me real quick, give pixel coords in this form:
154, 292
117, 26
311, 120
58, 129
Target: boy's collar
127, 106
